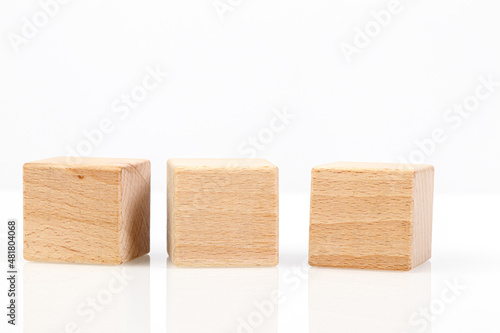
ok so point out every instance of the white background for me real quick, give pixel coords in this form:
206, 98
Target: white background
228, 74
226, 77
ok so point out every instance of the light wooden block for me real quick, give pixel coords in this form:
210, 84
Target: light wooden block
371, 215
222, 212
86, 210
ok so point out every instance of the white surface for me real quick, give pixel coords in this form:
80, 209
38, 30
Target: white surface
162, 298
227, 77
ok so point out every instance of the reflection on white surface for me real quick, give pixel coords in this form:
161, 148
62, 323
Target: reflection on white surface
87, 298
344, 300
239, 300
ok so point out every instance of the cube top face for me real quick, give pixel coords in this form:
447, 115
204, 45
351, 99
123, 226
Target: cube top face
94, 211
369, 215
222, 213
373, 167
220, 163
86, 163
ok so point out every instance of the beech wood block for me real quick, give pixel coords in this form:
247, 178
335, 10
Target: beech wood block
222, 212
371, 215
86, 210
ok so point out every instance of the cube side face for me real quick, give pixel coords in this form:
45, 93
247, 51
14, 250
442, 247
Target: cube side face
224, 217
71, 214
422, 215
170, 210
135, 202
361, 219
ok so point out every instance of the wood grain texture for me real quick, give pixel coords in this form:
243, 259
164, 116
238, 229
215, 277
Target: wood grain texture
371, 215
222, 212
95, 210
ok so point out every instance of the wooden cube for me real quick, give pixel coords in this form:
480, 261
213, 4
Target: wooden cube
222, 212
86, 210
370, 215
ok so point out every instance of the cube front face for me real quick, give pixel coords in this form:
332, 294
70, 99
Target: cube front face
84, 213
366, 216
222, 213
